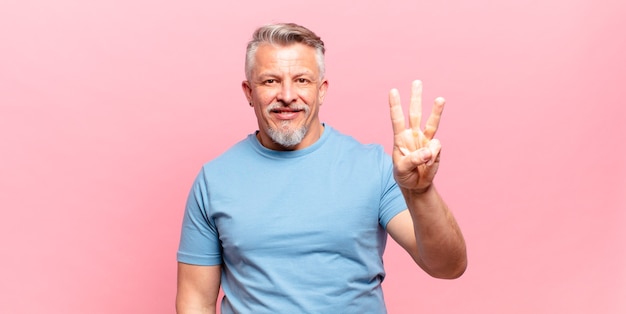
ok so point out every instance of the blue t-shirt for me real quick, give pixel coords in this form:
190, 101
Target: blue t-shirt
295, 231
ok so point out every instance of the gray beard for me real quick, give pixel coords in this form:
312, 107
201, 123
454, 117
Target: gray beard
284, 136
287, 138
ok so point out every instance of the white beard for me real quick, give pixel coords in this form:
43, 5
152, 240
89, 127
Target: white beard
287, 137
284, 135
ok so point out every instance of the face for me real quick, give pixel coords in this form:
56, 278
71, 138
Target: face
286, 92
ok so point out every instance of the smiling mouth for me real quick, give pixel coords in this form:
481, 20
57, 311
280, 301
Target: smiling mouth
285, 110
286, 113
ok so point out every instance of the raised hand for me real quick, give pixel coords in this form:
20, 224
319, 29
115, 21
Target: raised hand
416, 153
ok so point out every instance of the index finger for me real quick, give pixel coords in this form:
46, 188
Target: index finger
395, 109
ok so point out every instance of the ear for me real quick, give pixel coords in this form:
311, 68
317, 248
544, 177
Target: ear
322, 91
247, 91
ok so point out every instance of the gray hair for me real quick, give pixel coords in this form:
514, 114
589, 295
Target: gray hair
284, 34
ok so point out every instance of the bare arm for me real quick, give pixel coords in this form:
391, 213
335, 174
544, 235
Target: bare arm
198, 287
430, 234
428, 230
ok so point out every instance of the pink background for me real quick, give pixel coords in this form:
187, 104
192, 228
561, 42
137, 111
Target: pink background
109, 108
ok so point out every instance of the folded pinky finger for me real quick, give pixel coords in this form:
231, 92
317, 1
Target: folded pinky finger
435, 148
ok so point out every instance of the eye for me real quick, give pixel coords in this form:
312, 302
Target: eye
269, 81
302, 80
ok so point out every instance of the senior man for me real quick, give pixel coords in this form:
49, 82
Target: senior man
294, 218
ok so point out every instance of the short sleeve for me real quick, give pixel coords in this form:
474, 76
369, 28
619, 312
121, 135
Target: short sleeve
199, 240
392, 202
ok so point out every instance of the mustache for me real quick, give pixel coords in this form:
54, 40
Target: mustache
278, 105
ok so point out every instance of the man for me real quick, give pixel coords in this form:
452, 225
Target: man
294, 218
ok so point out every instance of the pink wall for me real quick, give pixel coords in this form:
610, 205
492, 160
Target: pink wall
108, 109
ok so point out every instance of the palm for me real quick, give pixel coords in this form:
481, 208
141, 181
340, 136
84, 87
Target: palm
415, 151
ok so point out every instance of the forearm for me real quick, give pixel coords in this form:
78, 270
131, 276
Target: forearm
440, 245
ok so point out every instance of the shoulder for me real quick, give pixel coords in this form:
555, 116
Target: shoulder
232, 158
346, 143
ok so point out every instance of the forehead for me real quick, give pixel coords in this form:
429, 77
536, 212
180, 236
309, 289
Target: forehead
276, 57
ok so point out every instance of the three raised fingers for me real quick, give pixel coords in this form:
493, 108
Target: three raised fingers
415, 114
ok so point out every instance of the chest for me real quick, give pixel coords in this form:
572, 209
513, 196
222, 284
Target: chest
287, 212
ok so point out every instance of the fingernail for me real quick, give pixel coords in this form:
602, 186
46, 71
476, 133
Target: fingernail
430, 162
425, 154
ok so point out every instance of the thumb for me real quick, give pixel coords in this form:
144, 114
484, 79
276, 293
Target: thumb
421, 156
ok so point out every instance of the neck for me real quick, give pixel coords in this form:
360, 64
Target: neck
313, 135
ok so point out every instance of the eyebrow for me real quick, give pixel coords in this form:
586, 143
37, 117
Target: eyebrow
296, 74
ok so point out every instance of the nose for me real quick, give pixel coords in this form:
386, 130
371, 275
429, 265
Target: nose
287, 93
